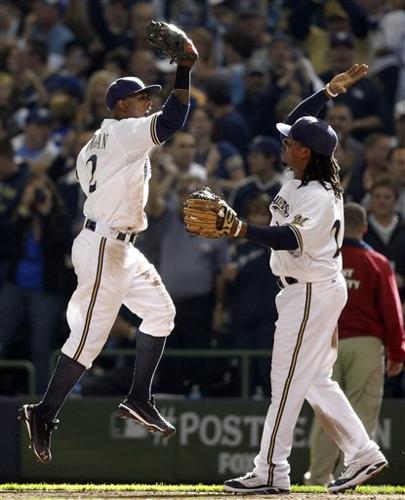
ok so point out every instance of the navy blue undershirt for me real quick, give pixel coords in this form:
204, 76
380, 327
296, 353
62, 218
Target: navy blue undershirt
276, 237
173, 117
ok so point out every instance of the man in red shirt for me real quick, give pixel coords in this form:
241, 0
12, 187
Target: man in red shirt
370, 323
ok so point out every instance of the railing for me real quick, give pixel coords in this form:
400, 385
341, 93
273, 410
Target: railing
25, 365
245, 356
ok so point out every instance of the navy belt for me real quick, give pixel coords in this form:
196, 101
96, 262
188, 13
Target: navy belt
288, 279
91, 224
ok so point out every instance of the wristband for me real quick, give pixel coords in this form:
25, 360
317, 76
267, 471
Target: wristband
328, 91
182, 80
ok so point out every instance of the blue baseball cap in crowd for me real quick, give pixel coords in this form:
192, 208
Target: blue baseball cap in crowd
126, 87
312, 132
265, 145
39, 116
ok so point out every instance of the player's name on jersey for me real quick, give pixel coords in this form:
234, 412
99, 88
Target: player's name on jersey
99, 141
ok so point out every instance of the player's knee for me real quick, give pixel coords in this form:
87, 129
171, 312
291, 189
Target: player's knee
167, 315
160, 321
83, 352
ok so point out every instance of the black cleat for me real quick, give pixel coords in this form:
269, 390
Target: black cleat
39, 432
357, 473
251, 484
146, 413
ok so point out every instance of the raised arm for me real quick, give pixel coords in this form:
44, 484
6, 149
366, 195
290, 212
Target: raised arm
174, 44
338, 85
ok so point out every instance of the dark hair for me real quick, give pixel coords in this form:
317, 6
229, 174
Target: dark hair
372, 139
355, 216
387, 182
241, 42
325, 170
218, 90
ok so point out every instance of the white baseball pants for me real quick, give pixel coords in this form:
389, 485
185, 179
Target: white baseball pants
111, 273
304, 352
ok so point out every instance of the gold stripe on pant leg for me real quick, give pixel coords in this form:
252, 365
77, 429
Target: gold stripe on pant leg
93, 298
288, 381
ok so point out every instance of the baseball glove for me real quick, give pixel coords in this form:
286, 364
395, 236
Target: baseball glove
206, 214
172, 42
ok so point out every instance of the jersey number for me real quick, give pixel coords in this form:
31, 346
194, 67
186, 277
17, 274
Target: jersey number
93, 161
336, 228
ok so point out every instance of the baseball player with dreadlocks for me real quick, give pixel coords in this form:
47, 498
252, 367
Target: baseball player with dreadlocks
306, 234
113, 169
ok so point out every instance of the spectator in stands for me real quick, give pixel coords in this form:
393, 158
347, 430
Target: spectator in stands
376, 150
238, 47
13, 177
142, 13
340, 117
192, 270
399, 123
223, 163
188, 14
63, 108
349, 16
62, 172
77, 63
263, 162
53, 81
251, 291
370, 323
36, 145
386, 40
258, 103
143, 64
29, 90
221, 16
386, 228
93, 109
45, 24
182, 149
396, 169
365, 100
285, 71
205, 66
10, 24
229, 125
35, 275
110, 21
252, 21
283, 108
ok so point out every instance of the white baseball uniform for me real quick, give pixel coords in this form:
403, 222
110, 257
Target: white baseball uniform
113, 169
305, 343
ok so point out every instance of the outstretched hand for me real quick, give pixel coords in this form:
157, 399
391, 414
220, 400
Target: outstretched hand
341, 83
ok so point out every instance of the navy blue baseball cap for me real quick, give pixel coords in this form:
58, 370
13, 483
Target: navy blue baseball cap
39, 116
312, 132
126, 87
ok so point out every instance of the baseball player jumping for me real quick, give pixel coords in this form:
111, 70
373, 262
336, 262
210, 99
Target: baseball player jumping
305, 233
113, 169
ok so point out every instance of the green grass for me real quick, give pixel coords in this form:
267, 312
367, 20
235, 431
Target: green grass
194, 488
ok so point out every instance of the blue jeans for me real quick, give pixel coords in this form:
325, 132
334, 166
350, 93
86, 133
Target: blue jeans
42, 310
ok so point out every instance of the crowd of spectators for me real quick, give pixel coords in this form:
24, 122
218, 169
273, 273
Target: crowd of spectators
258, 59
